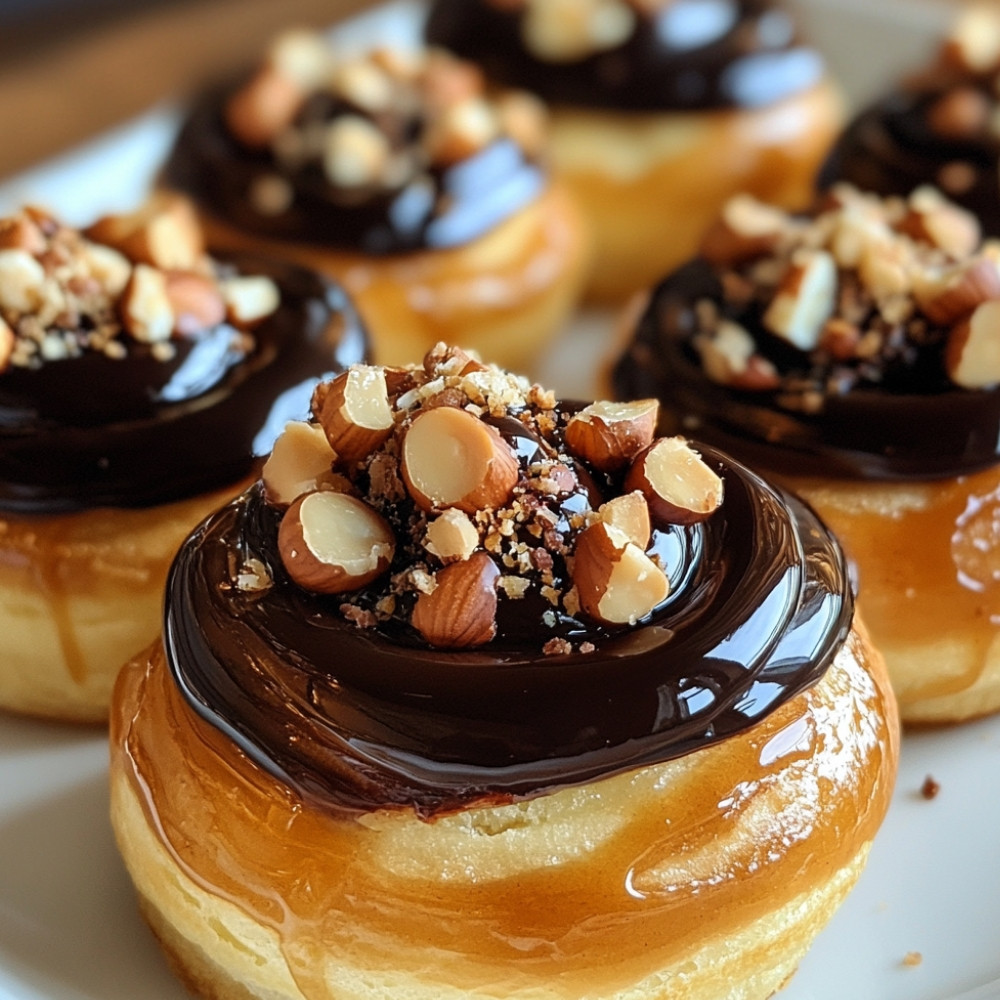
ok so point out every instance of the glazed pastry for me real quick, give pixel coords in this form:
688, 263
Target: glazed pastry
660, 111
510, 700
138, 378
941, 127
854, 353
397, 175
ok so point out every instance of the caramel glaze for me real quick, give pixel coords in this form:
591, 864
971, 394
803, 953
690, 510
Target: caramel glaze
361, 719
93, 431
441, 208
889, 148
914, 425
690, 54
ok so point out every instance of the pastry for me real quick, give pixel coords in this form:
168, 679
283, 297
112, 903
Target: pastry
138, 377
395, 173
854, 353
450, 719
941, 126
659, 111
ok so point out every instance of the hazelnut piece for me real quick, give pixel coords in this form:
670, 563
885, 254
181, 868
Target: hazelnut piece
972, 353
678, 485
354, 412
145, 306
451, 537
629, 514
331, 542
609, 435
461, 610
616, 581
933, 219
262, 108
300, 462
249, 298
950, 295
746, 229
196, 302
450, 458
805, 300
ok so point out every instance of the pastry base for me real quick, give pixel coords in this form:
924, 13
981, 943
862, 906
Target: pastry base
697, 879
650, 184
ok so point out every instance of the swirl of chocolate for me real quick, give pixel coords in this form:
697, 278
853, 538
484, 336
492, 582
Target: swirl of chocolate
914, 424
437, 208
687, 55
94, 431
361, 719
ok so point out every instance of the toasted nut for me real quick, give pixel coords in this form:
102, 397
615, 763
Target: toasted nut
746, 228
356, 152
629, 514
452, 459
857, 231
461, 610
937, 221
263, 107
462, 130
885, 270
196, 302
564, 31
677, 484
331, 542
354, 412
609, 435
301, 461
616, 581
165, 233
728, 356
302, 56
972, 353
805, 300
451, 537
948, 296
974, 40
106, 266
442, 359
523, 118
145, 306
447, 80
839, 339
22, 281
961, 113
364, 84
249, 299
21, 233
7, 340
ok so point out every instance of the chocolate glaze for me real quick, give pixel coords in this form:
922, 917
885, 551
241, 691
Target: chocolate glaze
93, 431
889, 148
692, 54
440, 208
360, 719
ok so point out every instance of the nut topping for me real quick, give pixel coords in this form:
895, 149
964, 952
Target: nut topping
300, 462
460, 612
804, 300
610, 435
678, 486
354, 412
972, 354
331, 543
451, 536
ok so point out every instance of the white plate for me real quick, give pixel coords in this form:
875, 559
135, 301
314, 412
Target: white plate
69, 929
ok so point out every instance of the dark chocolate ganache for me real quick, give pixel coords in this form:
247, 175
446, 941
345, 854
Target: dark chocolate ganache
404, 172
362, 718
684, 55
883, 408
139, 430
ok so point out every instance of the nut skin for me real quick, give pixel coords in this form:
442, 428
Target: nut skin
972, 351
461, 610
196, 302
257, 112
610, 435
145, 308
745, 229
336, 403
313, 573
804, 301
957, 293
666, 506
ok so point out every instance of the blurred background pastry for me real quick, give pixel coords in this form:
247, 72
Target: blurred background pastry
139, 377
579, 711
659, 111
856, 352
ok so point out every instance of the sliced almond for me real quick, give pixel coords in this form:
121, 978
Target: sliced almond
461, 610
805, 300
616, 581
609, 435
452, 459
249, 299
678, 485
331, 542
950, 295
451, 536
301, 461
21, 233
263, 107
145, 305
22, 282
354, 412
363, 83
165, 233
302, 56
196, 302
840, 339
972, 353
935, 220
746, 229
629, 514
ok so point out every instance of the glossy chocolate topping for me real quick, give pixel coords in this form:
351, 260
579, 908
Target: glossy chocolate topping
356, 719
96, 431
689, 54
436, 208
910, 424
